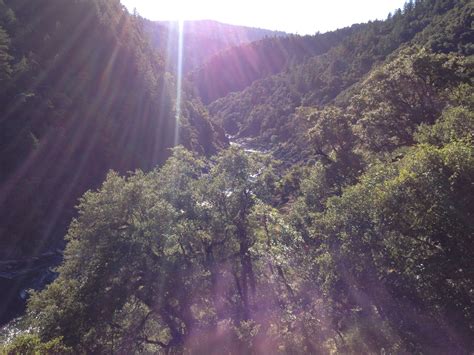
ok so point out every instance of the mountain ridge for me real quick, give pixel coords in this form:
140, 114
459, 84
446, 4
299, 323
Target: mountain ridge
201, 39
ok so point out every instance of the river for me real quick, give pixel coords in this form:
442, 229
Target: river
17, 277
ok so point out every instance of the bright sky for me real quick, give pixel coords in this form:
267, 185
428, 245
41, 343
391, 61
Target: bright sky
293, 16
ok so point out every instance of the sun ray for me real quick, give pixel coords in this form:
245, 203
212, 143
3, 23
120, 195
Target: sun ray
179, 74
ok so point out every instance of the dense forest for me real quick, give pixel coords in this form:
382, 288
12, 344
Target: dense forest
71, 110
293, 194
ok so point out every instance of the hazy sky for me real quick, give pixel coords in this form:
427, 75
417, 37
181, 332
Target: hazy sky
295, 16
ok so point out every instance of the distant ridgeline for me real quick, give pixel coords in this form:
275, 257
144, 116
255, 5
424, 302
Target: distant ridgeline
358, 239
201, 39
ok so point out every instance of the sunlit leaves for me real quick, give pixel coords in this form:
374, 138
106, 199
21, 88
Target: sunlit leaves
154, 257
410, 90
395, 239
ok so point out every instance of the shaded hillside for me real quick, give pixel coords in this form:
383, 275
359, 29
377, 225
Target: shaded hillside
82, 92
236, 68
201, 39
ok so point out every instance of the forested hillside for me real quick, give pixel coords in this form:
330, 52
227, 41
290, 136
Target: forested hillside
236, 68
82, 92
262, 110
340, 219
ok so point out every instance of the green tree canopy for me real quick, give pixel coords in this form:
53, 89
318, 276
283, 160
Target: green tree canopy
166, 259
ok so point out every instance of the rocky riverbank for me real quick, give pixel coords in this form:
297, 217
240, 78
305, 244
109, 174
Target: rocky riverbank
17, 277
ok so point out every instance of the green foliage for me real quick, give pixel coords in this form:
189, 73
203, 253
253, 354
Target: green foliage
410, 90
29, 344
220, 75
450, 33
395, 248
162, 260
332, 138
156, 262
456, 122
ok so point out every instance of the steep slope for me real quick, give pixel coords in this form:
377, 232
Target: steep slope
268, 108
236, 68
82, 92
